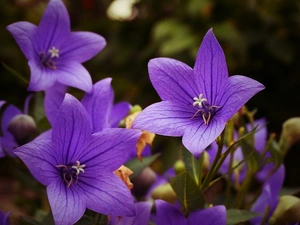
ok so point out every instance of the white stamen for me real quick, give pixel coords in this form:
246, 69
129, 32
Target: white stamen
54, 52
199, 101
78, 167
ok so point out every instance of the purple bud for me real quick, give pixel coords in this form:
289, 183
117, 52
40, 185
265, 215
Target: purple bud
22, 127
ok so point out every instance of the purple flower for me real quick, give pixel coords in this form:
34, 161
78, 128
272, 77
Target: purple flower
99, 105
54, 52
17, 128
77, 166
269, 195
167, 214
239, 173
196, 103
4, 220
141, 218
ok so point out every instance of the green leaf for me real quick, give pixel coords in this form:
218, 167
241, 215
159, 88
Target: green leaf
137, 166
188, 193
287, 211
235, 216
191, 164
15, 73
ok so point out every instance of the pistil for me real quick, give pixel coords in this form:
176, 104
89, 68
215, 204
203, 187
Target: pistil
71, 171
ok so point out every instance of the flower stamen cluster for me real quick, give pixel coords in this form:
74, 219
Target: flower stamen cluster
48, 60
207, 111
71, 172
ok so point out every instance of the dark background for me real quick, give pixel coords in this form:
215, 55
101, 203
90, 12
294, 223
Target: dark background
260, 38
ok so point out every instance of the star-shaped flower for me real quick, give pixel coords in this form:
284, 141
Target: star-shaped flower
55, 53
196, 103
77, 166
167, 214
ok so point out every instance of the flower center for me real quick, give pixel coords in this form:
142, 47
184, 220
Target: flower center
48, 59
206, 110
70, 172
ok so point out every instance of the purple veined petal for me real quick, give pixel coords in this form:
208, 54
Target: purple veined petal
38, 157
10, 112
209, 216
41, 78
118, 112
142, 215
173, 80
74, 74
109, 149
98, 104
165, 118
24, 34
54, 27
167, 214
269, 195
71, 130
106, 193
238, 90
54, 96
8, 144
67, 204
210, 70
82, 46
199, 136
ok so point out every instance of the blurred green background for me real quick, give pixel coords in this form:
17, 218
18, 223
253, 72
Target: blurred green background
260, 38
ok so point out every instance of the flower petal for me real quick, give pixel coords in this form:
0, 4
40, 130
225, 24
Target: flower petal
210, 68
199, 135
105, 193
118, 112
10, 112
238, 90
209, 216
173, 80
142, 215
165, 118
82, 46
54, 96
38, 157
24, 34
71, 130
67, 204
109, 149
41, 78
98, 103
167, 214
74, 74
54, 27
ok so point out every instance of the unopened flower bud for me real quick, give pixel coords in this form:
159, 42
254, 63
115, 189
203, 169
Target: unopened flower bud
164, 192
143, 182
22, 127
179, 166
290, 133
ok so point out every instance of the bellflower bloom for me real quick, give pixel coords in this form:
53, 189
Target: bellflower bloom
196, 103
99, 105
77, 166
269, 195
167, 214
54, 53
141, 218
